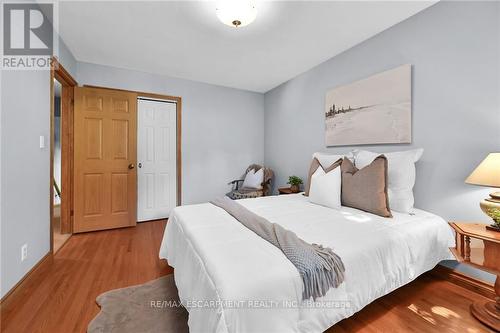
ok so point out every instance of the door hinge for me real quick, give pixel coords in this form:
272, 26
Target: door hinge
71, 213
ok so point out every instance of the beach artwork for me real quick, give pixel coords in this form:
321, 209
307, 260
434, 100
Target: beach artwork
374, 110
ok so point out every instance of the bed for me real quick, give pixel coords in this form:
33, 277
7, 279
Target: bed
231, 280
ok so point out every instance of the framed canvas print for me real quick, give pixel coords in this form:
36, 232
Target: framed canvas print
374, 110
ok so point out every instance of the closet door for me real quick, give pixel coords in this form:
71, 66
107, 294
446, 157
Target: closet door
105, 177
157, 165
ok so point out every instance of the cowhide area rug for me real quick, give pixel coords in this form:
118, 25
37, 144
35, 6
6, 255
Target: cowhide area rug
152, 307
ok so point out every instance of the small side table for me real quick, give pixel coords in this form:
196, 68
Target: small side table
486, 258
286, 190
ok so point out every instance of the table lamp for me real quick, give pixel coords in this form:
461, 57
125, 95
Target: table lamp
488, 174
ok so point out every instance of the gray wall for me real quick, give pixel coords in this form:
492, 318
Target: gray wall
25, 172
67, 59
25, 168
454, 50
222, 128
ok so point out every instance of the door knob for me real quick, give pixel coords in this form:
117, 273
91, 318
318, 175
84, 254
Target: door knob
131, 166
139, 165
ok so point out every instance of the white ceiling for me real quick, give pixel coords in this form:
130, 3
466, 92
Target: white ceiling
185, 39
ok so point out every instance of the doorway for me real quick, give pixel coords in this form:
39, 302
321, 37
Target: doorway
58, 236
61, 155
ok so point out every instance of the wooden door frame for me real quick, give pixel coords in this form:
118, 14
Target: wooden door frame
58, 72
178, 101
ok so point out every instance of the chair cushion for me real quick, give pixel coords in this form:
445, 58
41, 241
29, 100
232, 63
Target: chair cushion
245, 194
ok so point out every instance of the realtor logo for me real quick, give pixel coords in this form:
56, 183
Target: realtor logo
27, 29
28, 35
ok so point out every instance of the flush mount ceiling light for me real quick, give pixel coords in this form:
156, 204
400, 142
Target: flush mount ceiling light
236, 13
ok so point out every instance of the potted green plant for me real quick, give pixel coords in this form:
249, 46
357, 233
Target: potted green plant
295, 183
494, 213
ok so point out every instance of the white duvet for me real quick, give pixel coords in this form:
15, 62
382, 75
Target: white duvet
231, 280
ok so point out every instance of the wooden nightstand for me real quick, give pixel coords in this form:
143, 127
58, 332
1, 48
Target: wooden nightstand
486, 257
286, 190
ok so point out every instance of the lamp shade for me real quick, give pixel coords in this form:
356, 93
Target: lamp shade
487, 173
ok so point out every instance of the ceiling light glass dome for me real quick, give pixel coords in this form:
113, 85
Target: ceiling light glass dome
236, 13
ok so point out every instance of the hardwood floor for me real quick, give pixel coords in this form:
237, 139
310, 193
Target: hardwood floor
425, 305
60, 296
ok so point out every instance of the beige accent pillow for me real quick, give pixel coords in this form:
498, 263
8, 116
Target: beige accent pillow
366, 188
401, 173
315, 164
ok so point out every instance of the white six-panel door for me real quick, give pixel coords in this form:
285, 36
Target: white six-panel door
156, 159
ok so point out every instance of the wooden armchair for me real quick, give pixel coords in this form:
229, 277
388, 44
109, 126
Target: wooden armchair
238, 192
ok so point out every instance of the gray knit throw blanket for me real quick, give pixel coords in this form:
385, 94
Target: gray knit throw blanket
320, 268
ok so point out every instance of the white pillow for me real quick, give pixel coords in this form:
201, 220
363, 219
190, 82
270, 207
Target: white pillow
326, 188
400, 173
328, 159
254, 179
